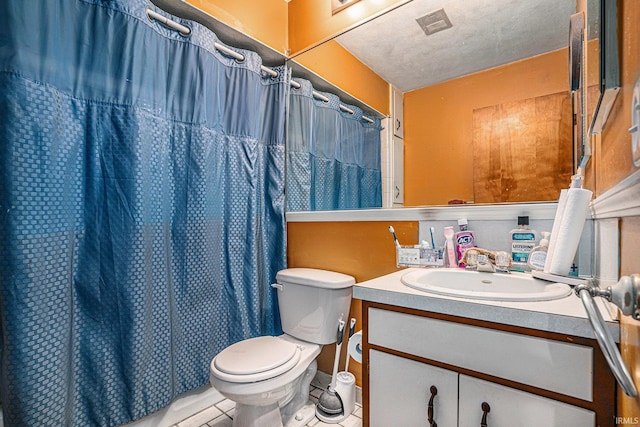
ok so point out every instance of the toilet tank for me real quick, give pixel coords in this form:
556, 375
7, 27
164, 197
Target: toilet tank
311, 302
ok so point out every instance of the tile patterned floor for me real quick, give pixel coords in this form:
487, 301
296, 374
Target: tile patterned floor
221, 414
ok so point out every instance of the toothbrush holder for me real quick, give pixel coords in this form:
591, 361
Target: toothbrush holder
418, 256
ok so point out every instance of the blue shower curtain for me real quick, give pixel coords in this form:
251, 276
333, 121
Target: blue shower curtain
141, 209
333, 156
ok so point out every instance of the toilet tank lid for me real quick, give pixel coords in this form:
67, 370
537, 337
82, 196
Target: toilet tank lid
314, 277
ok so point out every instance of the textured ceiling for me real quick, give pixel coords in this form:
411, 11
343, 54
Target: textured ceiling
485, 34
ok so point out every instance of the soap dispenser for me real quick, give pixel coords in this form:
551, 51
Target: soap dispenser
538, 255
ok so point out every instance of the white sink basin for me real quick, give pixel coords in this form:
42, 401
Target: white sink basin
484, 286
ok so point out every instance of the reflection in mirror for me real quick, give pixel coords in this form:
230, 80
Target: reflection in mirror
333, 153
485, 101
483, 34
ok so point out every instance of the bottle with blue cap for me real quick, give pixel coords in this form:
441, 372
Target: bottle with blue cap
523, 240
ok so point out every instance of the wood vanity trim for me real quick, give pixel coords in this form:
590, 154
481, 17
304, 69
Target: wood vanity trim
604, 385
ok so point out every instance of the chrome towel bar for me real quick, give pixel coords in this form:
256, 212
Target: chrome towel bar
624, 294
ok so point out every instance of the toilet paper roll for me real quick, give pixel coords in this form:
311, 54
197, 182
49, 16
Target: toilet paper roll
355, 347
570, 230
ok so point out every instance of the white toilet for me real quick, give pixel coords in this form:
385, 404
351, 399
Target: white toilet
269, 377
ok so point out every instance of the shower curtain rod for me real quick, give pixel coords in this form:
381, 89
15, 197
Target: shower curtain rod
185, 31
321, 97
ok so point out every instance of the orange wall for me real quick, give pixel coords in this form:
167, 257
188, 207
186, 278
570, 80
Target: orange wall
265, 20
311, 21
335, 64
364, 250
438, 123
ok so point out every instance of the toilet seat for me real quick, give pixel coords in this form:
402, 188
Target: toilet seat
255, 359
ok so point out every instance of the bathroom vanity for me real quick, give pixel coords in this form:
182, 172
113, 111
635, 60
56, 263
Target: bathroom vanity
460, 362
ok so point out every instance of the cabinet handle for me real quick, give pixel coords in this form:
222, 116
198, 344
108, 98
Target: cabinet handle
485, 410
398, 124
434, 392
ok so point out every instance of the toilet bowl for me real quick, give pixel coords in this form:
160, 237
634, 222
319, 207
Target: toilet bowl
269, 377
267, 392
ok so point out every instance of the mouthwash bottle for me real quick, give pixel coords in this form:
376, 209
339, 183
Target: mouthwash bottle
523, 240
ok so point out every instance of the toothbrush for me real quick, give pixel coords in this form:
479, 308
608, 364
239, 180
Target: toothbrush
451, 254
433, 242
393, 233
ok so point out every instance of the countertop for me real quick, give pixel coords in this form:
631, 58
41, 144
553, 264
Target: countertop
564, 316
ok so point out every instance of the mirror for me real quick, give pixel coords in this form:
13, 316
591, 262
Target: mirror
464, 84
603, 60
602, 77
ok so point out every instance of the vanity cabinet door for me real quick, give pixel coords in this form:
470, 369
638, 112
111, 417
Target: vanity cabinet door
508, 407
398, 171
403, 392
397, 113
550, 365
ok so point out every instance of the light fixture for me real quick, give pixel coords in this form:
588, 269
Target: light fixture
338, 5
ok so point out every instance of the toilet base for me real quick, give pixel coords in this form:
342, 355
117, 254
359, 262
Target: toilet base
270, 416
251, 416
303, 416
296, 409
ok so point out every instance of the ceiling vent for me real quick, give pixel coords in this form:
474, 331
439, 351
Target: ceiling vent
434, 22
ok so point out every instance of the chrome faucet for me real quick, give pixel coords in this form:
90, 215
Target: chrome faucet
485, 264
503, 261
482, 261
